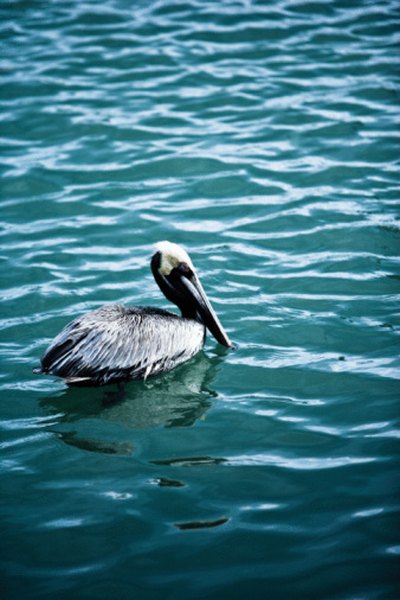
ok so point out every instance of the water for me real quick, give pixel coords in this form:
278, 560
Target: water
263, 137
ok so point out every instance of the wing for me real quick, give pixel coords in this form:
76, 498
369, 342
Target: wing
115, 343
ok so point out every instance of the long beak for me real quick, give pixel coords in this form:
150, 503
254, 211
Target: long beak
205, 310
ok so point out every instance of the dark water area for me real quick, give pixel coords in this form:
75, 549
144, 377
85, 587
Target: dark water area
264, 137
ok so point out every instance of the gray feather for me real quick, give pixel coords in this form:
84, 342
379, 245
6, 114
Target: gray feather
115, 343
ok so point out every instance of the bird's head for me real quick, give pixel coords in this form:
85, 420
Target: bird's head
175, 274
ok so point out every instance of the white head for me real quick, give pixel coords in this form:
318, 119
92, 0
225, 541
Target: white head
171, 256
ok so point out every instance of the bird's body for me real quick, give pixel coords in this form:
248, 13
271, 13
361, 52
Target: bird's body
116, 343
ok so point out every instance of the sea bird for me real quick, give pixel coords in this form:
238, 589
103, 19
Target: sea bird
114, 343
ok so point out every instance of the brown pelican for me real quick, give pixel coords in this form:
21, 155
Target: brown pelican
115, 343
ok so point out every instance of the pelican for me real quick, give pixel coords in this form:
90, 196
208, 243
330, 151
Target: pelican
114, 343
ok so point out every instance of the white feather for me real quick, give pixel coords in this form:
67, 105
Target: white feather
171, 256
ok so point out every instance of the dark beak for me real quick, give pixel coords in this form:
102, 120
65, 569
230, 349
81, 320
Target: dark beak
193, 287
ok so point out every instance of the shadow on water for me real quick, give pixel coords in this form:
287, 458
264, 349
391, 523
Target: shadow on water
176, 399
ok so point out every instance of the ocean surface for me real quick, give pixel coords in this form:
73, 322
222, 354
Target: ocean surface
264, 137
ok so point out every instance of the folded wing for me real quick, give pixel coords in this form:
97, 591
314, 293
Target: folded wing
116, 343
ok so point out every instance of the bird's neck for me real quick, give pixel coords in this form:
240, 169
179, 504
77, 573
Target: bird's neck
187, 308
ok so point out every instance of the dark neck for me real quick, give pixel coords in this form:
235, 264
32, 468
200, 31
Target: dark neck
171, 289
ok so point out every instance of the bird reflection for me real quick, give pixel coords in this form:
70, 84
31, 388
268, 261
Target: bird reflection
176, 399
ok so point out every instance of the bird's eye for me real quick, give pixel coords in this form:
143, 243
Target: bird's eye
184, 269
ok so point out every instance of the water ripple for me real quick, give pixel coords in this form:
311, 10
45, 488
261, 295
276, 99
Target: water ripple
265, 139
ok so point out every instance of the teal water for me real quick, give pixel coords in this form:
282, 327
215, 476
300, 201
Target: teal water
264, 138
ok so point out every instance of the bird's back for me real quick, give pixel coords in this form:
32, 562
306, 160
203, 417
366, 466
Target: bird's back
116, 343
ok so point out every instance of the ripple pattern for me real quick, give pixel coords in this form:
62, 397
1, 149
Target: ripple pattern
265, 138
